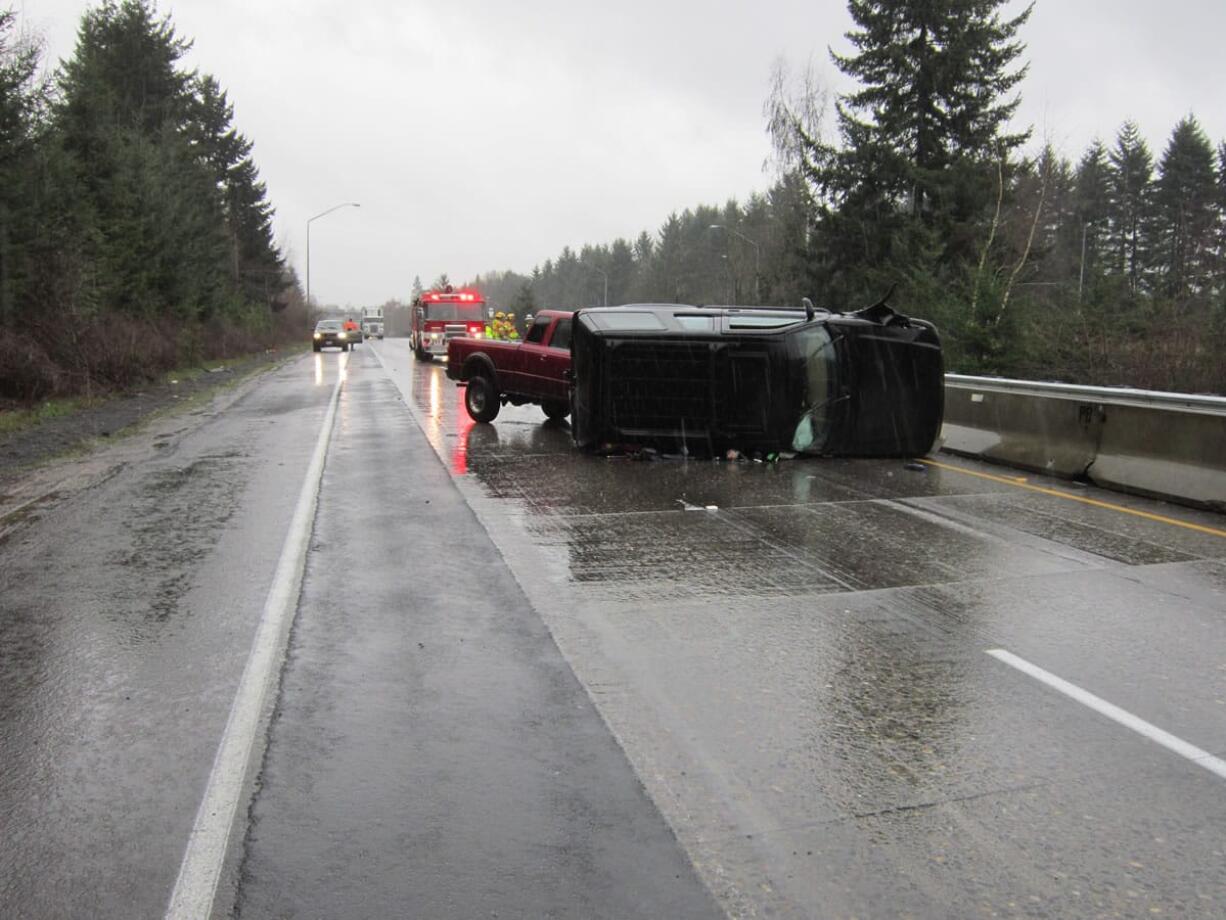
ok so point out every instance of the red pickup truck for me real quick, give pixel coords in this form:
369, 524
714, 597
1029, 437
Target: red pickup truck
536, 370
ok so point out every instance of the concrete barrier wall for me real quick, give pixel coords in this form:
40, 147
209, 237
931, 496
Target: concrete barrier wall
1167, 445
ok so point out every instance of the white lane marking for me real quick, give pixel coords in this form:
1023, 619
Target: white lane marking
1199, 757
200, 870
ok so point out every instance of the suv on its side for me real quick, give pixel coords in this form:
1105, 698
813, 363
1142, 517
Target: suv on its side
868, 383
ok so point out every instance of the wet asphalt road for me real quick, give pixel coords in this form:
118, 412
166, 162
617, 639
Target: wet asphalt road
527, 682
126, 611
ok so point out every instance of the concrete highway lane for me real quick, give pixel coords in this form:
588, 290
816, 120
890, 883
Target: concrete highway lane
795, 659
126, 613
522, 681
432, 754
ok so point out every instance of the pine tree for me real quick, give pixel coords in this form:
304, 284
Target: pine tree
124, 114
1186, 212
124, 74
22, 100
790, 265
621, 271
1092, 196
669, 283
1132, 169
1219, 275
1052, 203
524, 302
21, 97
934, 79
254, 260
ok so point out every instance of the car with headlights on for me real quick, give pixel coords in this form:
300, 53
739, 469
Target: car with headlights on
330, 333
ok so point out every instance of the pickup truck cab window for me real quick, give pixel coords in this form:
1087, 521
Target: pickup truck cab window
561, 335
536, 335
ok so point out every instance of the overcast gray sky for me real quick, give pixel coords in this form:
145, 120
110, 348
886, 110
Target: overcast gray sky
483, 134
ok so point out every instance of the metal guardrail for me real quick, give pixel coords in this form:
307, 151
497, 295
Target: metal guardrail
1124, 396
1168, 445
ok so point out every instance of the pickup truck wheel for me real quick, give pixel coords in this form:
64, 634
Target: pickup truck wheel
422, 355
556, 410
316, 346
481, 399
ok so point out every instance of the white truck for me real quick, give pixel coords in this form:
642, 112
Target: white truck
372, 322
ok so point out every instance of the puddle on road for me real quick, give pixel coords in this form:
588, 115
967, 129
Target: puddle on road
178, 517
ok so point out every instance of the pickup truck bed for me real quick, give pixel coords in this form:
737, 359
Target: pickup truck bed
496, 372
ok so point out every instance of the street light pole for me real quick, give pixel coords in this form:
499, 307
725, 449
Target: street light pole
1081, 274
343, 204
757, 259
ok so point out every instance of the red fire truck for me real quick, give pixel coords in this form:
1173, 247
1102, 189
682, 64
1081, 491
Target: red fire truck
443, 315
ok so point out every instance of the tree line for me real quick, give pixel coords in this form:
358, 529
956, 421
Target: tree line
1107, 269
135, 233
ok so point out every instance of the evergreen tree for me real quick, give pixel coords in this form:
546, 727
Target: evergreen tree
21, 103
644, 255
254, 260
932, 103
1092, 192
524, 302
124, 74
669, 281
1131, 178
1219, 276
621, 271
789, 265
249, 215
1186, 213
123, 115
21, 97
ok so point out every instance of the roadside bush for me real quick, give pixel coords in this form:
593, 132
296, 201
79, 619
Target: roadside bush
27, 372
91, 356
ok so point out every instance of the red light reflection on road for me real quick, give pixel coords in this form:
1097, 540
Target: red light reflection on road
442, 417
464, 427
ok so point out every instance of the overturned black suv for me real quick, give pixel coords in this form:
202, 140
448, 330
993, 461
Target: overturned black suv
804, 380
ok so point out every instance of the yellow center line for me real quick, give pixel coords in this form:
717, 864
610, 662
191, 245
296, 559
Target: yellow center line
1021, 483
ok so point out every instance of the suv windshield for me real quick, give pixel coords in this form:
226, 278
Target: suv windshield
328, 325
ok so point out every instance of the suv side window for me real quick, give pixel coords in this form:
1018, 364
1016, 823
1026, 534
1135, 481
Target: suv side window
536, 334
561, 335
